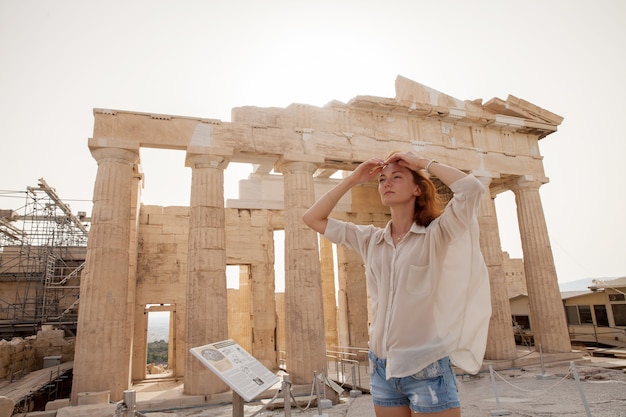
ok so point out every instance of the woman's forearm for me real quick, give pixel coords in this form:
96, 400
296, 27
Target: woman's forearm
316, 217
445, 173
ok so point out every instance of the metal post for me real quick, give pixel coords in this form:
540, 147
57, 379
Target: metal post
286, 387
317, 395
580, 388
499, 411
237, 405
354, 392
326, 403
543, 369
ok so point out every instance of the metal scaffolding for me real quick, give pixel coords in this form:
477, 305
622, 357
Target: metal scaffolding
42, 254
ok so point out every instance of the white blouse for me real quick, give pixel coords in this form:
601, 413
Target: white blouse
430, 293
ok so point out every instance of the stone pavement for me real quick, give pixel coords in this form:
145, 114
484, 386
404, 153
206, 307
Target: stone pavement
522, 388
528, 390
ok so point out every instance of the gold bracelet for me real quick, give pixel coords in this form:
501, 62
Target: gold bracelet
428, 165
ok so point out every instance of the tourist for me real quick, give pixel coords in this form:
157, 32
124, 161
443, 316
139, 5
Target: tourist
426, 279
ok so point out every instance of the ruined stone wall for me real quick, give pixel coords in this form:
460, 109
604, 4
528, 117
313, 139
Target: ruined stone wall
514, 275
497, 141
19, 356
161, 277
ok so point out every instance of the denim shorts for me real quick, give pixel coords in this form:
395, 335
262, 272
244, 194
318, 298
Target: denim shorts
431, 390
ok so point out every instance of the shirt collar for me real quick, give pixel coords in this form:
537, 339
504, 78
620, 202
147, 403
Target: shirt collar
386, 234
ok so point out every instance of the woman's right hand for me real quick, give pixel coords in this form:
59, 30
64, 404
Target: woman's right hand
367, 170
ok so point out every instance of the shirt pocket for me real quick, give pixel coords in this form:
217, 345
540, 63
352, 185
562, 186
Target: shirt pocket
418, 281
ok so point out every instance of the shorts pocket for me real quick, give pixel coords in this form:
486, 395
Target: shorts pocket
433, 370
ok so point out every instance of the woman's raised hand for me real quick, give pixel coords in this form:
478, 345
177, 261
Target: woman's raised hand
367, 170
410, 160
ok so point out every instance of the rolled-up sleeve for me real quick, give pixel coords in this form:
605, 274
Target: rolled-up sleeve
351, 235
462, 208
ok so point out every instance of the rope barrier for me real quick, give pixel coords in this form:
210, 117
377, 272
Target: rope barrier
291, 396
263, 409
533, 391
572, 371
513, 360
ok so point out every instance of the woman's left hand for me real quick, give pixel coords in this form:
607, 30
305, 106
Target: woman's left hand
410, 160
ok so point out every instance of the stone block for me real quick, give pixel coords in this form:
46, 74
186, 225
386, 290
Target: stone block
86, 398
57, 404
49, 361
6, 407
91, 410
51, 413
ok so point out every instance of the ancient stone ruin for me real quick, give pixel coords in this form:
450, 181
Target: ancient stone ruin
176, 257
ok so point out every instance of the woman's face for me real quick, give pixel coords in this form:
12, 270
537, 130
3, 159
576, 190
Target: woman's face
396, 185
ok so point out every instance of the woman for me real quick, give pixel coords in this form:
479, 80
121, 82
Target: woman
426, 278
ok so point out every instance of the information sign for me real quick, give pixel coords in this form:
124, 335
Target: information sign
242, 372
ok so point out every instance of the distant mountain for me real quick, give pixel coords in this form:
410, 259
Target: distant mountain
158, 327
580, 284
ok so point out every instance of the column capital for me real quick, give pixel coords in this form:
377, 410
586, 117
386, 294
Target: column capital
127, 156
525, 182
206, 161
291, 161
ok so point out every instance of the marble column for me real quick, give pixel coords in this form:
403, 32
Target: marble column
352, 283
343, 326
207, 313
500, 340
328, 291
304, 313
103, 352
547, 315
264, 309
240, 311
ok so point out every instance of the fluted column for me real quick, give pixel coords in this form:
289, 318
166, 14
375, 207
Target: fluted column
500, 339
264, 308
102, 353
240, 311
352, 284
304, 314
206, 281
546, 308
328, 291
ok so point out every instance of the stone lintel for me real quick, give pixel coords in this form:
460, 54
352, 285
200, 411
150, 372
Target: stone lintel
102, 142
478, 173
510, 123
135, 129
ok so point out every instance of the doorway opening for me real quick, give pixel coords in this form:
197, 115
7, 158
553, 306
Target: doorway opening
159, 340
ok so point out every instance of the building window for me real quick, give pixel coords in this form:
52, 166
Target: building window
522, 322
585, 314
579, 314
602, 318
619, 314
571, 312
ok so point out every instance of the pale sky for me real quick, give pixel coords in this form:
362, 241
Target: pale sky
61, 59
